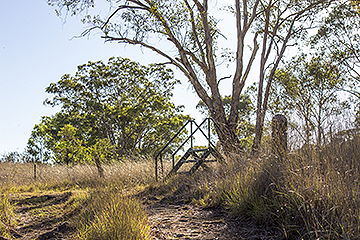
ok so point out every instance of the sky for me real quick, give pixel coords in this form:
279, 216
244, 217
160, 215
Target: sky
36, 49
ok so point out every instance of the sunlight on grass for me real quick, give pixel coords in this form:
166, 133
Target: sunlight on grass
109, 215
308, 195
97, 206
7, 216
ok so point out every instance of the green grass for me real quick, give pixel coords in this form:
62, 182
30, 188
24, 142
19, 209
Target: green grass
7, 216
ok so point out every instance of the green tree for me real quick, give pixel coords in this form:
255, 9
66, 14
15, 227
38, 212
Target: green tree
12, 157
339, 38
37, 148
101, 152
190, 29
309, 88
69, 149
121, 101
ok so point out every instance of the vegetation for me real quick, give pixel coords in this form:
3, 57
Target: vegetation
7, 216
89, 207
307, 195
109, 215
192, 30
94, 170
108, 111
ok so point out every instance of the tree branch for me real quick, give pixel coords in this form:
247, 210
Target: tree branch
195, 32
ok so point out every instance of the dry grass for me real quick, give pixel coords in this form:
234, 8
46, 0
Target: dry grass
102, 213
308, 195
125, 174
110, 215
7, 216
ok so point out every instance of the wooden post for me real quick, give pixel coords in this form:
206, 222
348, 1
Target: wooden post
191, 136
279, 136
34, 170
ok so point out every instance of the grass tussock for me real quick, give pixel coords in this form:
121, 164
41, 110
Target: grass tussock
310, 194
110, 215
7, 216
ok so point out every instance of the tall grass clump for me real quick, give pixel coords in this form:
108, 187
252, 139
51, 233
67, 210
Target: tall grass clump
109, 215
7, 216
310, 194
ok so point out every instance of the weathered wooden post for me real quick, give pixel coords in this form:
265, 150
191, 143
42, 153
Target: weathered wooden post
34, 170
279, 136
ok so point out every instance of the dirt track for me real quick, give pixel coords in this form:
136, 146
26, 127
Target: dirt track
177, 220
44, 216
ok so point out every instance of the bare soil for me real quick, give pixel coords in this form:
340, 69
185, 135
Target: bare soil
178, 220
42, 216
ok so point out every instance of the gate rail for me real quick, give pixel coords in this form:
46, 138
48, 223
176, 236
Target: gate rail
192, 123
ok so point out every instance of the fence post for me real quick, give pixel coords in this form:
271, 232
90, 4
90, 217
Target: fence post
279, 136
34, 170
191, 132
209, 140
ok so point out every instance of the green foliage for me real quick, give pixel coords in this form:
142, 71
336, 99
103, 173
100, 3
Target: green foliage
121, 101
10, 157
309, 89
339, 38
69, 149
188, 35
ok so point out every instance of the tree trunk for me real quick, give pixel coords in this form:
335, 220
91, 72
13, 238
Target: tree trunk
99, 167
226, 132
258, 133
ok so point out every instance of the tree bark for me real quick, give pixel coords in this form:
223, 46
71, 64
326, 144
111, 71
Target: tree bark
99, 167
228, 138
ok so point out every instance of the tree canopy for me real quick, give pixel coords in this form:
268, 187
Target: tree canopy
309, 87
189, 28
122, 101
339, 38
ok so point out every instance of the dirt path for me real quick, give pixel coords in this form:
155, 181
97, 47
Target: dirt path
187, 221
46, 216
41, 216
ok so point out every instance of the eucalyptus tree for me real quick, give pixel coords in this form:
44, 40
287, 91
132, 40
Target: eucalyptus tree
309, 88
245, 129
189, 28
122, 103
339, 37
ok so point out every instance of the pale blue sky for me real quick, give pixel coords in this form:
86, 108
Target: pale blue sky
36, 49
